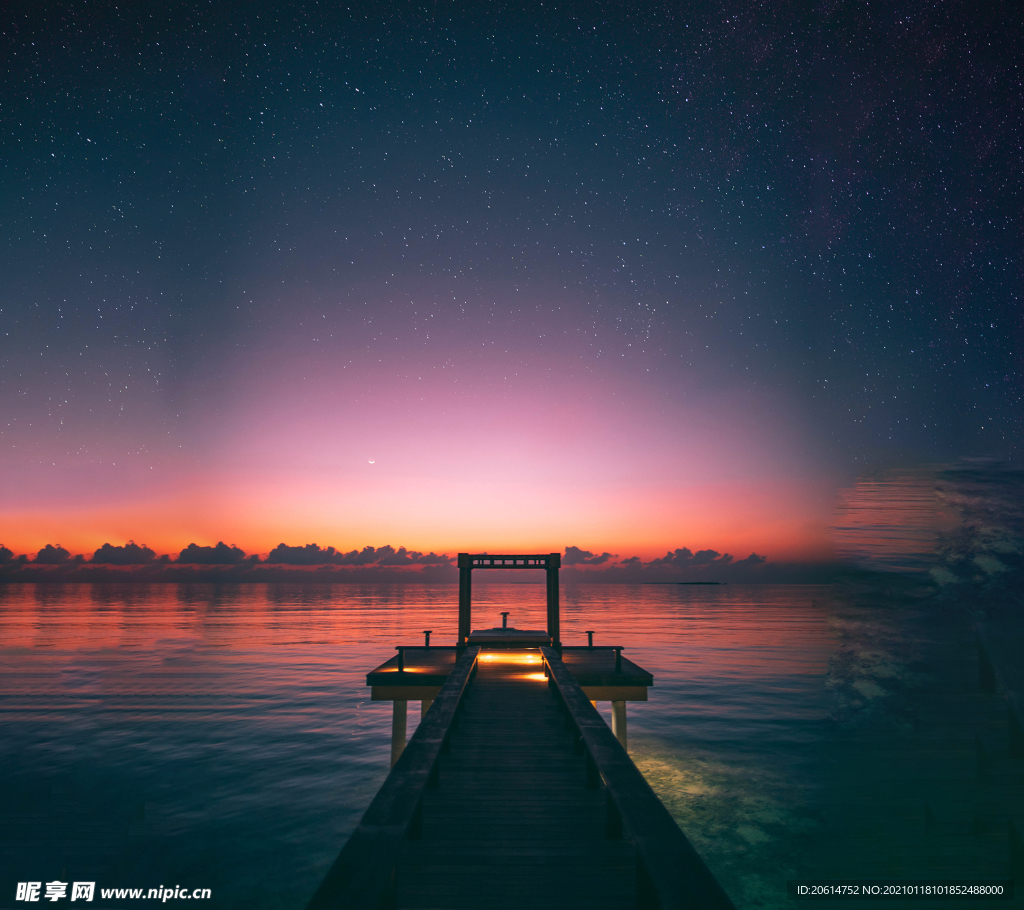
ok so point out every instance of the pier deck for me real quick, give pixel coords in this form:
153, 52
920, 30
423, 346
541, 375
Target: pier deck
604, 674
512, 823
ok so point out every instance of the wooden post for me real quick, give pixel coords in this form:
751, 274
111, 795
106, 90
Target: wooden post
465, 597
425, 706
554, 626
398, 716
619, 721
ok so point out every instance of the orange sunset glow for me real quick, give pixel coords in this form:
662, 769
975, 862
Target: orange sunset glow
606, 464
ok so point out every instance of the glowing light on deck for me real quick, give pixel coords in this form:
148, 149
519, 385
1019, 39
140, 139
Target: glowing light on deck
510, 657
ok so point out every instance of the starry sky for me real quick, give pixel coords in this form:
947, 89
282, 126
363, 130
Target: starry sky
622, 276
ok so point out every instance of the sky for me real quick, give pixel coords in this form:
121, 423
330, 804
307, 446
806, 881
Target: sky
628, 277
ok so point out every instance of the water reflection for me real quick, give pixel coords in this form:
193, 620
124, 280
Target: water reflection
223, 736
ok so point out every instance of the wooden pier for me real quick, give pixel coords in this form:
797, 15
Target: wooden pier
513, 792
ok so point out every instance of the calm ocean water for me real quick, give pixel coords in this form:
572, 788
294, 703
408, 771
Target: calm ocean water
223, 737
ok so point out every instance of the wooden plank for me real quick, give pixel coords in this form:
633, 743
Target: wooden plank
671, 868
511, 824
363, 875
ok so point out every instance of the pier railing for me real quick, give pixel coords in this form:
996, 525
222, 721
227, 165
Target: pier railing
363, 875
670, 873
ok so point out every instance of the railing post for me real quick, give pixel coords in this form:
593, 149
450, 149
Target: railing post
416, 825
646, 893
593, 776
613, 817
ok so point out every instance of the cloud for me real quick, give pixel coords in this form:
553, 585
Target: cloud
309, 555
434, 559
51, 555
752, 560
365, 557
388, 556
678, 565
313, 555
685, 558
131, 554
220, 555
574, 556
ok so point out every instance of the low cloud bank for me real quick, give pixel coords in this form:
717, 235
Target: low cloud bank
313, 555
311, 562
224, 562
681, 564
684, 566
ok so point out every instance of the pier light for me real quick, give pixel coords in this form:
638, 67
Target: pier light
510, 657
